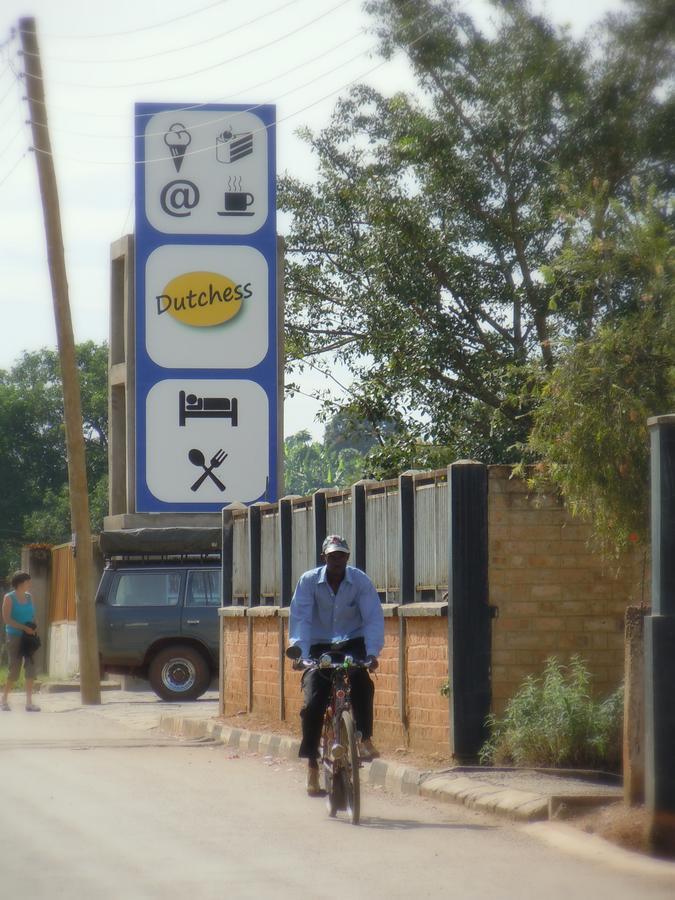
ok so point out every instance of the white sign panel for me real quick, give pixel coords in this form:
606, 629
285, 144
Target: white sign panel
206, 307
207, 440
209, 172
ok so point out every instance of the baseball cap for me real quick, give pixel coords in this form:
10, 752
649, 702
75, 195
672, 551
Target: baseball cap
335, 544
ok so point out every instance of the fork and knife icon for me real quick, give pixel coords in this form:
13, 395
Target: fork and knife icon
197, 458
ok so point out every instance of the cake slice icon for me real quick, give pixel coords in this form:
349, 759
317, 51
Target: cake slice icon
231, 147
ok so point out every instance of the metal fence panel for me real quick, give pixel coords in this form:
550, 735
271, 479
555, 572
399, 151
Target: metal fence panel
303, 542
339, 514
382, 539
431, 531
240, 563
270, 577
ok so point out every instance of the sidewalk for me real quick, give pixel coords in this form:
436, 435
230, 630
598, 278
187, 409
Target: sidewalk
521, 795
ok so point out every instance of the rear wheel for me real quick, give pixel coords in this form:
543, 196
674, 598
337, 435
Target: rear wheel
349, 773
179, 673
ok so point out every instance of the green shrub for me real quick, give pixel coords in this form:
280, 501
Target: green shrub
553, 721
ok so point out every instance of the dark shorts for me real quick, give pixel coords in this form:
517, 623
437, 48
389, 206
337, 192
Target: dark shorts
14, 651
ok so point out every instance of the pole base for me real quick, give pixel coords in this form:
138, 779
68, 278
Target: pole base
661, 834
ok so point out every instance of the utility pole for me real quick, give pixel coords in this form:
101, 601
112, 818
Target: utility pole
90, 687
660, 644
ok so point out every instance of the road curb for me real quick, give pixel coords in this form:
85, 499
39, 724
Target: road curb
517, 805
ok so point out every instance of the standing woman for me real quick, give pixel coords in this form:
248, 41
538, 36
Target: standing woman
18, 615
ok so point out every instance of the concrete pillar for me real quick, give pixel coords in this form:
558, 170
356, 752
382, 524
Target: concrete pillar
319, 521
406, 506
469, 645
286, 550
254, 554
660, 643
634, 708
358, 536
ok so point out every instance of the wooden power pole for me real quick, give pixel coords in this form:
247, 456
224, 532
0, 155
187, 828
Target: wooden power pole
90, 686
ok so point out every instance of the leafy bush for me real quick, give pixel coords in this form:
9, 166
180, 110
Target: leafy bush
554, 721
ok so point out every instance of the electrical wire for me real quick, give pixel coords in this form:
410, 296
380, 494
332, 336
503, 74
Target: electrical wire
218, 65
15, 166
146, 57
12, 139
257, 131
192, 106
210, 122
106, 36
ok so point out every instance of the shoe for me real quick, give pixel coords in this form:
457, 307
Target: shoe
368, 750
5, 707
31, 707
313, 786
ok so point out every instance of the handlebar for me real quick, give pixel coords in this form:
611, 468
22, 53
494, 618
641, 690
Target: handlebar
326, 661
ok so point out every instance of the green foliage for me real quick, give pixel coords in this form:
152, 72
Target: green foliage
554, 721
33, 475
590, 421
418, 259
310, 465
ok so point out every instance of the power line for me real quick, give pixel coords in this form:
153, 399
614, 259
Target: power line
15, 166
210, 68
93, 37
208, 40
259, 130
12, 139
219, 117
192, 106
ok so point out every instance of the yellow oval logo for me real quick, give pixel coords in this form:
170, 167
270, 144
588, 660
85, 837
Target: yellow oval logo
202, 299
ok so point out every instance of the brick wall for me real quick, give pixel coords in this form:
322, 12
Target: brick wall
426, 670
265, 659
556, 597
234, 697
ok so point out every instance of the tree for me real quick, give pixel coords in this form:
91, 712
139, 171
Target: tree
590, 424
33, 475
418, 259
310, 465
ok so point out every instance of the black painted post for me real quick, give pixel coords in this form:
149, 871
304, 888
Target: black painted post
286, 550
227, 557
254, 554
320, 526
406, 506
469, 649
358, 547
660, 643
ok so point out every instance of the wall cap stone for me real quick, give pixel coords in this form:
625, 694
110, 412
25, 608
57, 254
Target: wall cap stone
389, 609
283, 611
262, 612
232, 612
423, 609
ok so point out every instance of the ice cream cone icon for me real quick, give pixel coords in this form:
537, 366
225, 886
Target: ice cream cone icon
177, 139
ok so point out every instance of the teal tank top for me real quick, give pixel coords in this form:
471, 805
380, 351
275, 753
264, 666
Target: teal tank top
21, 612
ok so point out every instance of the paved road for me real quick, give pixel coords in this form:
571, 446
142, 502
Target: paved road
96, 803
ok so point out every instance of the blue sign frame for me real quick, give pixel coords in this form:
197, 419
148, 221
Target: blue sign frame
147, 372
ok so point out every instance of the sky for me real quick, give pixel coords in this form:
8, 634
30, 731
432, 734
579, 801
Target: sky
100, 58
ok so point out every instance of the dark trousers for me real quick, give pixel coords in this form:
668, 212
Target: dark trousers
316, 687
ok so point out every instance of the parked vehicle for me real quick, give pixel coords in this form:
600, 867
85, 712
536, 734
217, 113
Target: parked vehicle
159, 620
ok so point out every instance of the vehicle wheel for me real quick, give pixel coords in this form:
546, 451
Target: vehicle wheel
179, 673
349, 773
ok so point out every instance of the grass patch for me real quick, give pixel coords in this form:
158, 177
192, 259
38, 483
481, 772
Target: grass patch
553, 721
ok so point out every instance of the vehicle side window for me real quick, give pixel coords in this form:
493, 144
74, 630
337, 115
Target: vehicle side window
146, 589
203, 588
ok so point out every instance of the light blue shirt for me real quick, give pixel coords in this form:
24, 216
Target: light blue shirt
318, 616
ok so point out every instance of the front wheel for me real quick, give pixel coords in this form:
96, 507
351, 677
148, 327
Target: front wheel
179, 673
349, 772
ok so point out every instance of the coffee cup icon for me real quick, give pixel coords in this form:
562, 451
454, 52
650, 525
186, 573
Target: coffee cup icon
236, 203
